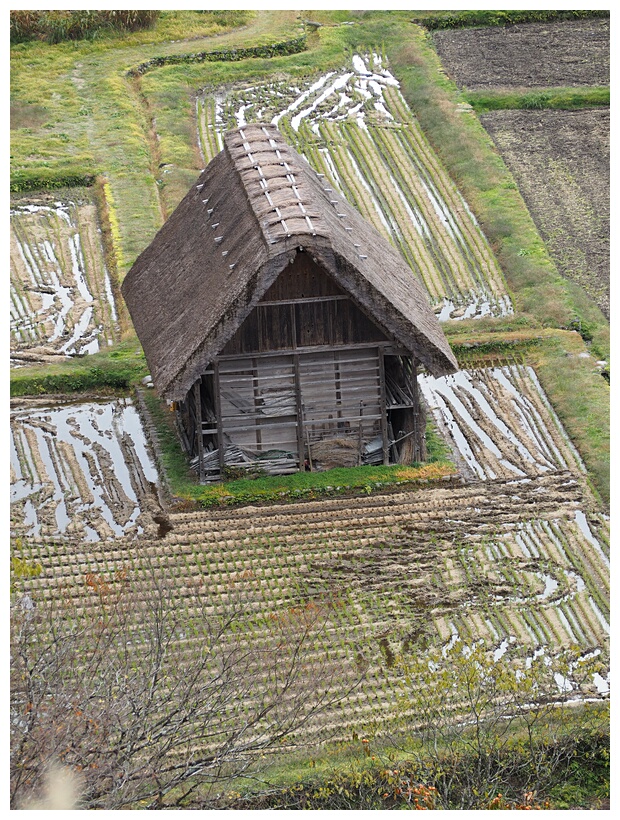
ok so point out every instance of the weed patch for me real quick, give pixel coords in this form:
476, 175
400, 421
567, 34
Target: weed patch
434, 20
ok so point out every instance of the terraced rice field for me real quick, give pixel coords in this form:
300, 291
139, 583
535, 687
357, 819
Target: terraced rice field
519, 556
499, 423
513, 563
80, 470
514, 552
355, 128
61, 294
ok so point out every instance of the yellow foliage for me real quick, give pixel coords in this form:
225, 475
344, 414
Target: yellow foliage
428, 472
114, 225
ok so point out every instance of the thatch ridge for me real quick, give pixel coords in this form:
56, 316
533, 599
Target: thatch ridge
238, 227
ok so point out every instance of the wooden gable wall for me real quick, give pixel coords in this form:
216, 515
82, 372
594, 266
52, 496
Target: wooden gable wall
307, 379
303, 308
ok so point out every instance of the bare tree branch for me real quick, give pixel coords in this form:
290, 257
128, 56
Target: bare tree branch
149, 706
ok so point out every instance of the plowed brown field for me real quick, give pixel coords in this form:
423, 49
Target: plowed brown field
529, 55
560, 161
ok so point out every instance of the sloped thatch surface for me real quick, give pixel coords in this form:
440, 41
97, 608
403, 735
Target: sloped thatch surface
250, 211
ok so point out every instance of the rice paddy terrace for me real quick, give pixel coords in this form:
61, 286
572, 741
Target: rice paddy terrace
515, 550
355, 128
80, 469
61, 293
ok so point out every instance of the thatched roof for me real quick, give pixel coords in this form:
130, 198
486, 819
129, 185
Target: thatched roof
249, 212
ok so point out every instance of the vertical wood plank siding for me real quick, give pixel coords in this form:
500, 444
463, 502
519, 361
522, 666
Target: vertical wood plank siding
306, 366
303, 308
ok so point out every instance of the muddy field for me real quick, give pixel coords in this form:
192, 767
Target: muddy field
81, 470
61, 293
517, 555
560, 161
530, 55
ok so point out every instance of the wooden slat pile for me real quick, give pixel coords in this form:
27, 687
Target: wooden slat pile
271, 462
395, 394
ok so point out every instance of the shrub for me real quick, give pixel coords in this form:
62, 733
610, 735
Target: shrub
507, 17
230, 55
46, 179
56, 26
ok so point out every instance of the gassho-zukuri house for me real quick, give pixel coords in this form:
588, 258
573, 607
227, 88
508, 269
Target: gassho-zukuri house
284, 329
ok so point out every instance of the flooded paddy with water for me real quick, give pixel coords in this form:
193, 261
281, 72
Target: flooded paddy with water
82, 470
62, 301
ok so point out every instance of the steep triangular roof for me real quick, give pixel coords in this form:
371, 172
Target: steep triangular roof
254, 206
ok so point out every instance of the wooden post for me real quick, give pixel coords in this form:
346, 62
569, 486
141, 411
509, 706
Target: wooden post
198, 412
218, 415
300, 415
383, 406
419, 418
359, 437
257, 420
309, 450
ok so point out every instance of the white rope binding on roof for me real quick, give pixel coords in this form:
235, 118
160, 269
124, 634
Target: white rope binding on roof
290, 176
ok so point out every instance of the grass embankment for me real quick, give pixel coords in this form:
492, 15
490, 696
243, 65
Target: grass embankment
120, 368
381, 773
436, 20
555, 98
53, 27
581, 398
